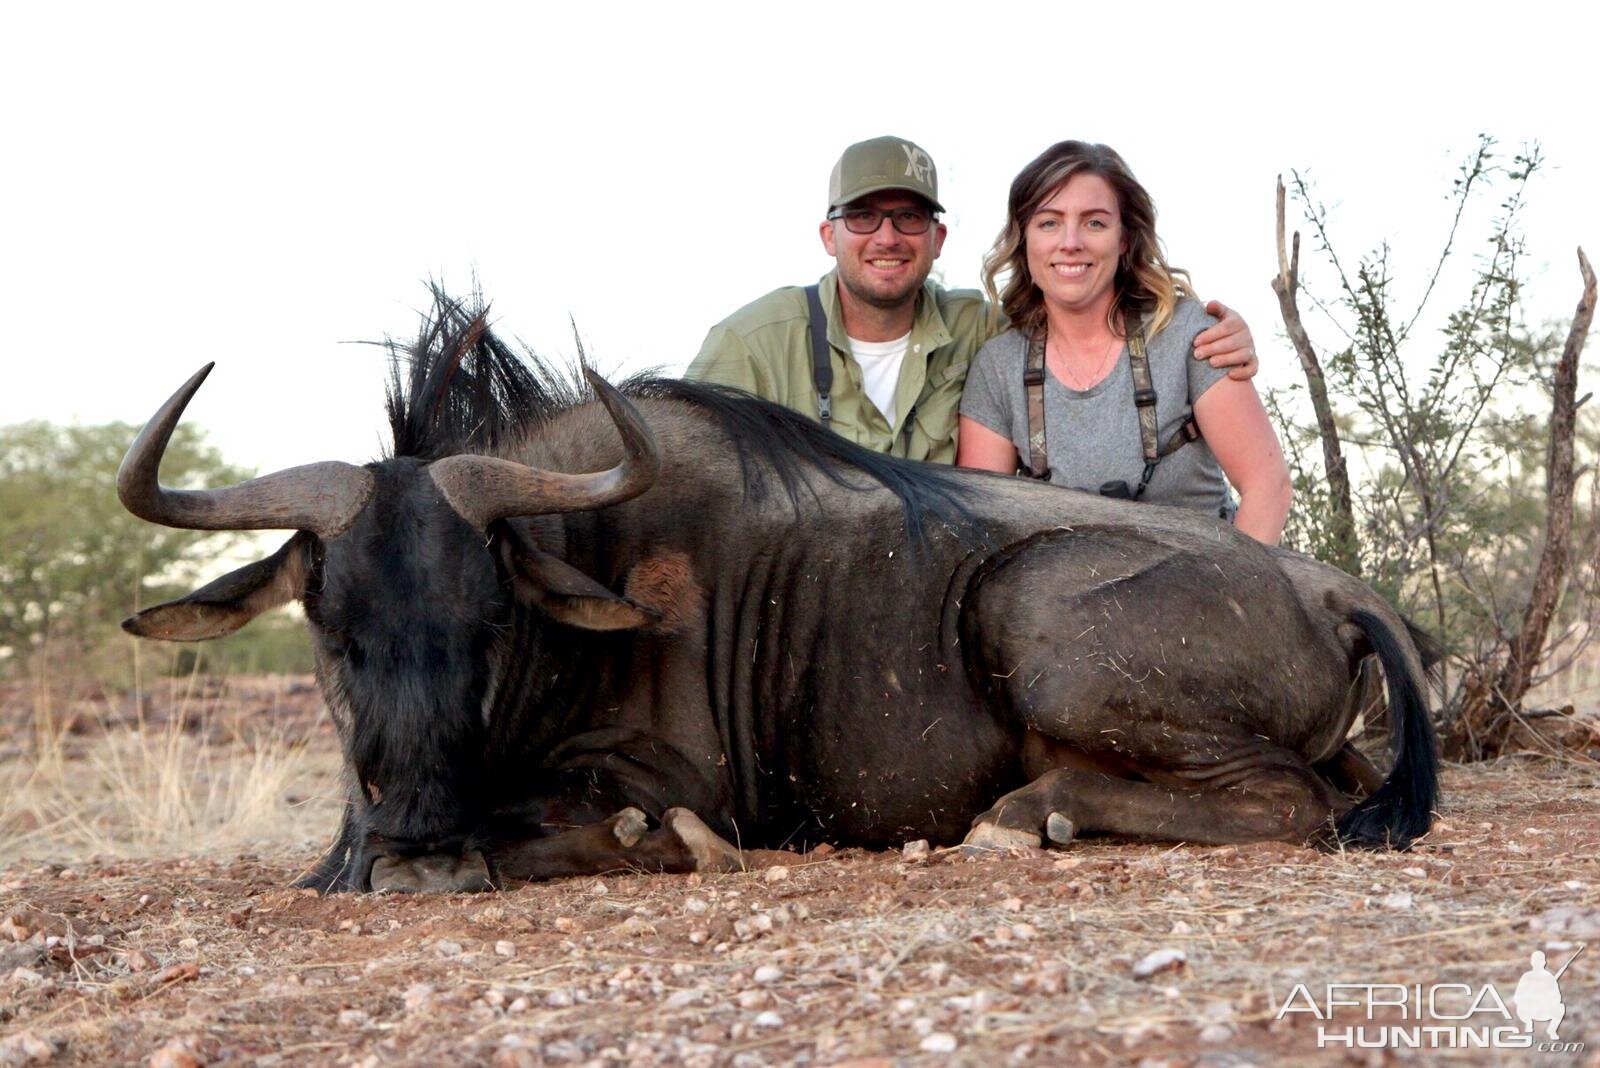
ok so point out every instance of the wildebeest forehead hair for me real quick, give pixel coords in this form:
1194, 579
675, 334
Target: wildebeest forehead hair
460, 388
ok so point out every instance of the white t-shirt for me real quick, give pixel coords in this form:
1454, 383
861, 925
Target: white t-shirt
880, 370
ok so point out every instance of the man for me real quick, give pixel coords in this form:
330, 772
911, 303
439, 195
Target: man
898, 346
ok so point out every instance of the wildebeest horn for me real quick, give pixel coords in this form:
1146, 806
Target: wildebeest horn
485, 488
323, 498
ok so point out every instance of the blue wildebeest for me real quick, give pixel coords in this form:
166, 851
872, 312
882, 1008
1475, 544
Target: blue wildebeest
732, 622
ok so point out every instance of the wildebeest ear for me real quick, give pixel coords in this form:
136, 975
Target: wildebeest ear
228, 603
569, 596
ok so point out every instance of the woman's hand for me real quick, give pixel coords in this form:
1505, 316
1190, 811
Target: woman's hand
1228, 344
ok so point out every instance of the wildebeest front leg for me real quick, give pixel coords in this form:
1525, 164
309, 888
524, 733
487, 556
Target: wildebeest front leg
1274, 803
683, 843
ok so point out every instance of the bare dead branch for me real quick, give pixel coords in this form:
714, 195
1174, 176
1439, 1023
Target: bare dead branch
1286, 286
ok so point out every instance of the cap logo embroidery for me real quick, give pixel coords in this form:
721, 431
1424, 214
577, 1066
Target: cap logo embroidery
917, 163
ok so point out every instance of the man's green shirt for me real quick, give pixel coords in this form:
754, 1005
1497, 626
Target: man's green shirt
765, 348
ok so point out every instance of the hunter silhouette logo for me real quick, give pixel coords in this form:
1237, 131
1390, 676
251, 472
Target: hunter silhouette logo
918, 165
1538, 996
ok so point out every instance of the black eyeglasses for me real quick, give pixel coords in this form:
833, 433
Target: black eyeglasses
867, 220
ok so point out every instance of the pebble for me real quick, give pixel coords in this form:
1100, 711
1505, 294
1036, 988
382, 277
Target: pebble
353, 1018
558, 999
695, 905
752, 926
25, 1047
503, 948
768, 973
1396, 901
918, 850
769, 1019
1161, 960
447, 948
776, 874
1216, 1032
938, 1042
177, 973
174, 1055
1012, 904
139, 961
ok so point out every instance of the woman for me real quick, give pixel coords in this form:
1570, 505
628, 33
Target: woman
1087, 288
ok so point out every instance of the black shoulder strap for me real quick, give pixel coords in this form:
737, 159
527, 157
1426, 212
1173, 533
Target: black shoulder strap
821, 365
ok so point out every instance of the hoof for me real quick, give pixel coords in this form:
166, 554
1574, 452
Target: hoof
628, 826
431, 875
709, 851
1059, 829
992, 837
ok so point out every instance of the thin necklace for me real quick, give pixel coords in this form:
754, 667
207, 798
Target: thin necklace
1100, 370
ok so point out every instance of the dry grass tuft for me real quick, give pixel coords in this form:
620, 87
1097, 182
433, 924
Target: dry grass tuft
194, 770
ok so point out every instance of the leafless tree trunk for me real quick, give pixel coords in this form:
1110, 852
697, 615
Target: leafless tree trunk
1486, 699
1287, 285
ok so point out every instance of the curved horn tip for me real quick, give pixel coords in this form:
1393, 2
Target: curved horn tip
136, 475
191, 387
200, 375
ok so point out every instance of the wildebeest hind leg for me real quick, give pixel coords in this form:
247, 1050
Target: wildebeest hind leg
1279, 802
683, 843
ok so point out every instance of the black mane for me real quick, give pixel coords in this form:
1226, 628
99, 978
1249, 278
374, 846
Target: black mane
768, 436
459, 388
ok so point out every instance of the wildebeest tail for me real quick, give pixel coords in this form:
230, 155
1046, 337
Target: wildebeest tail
1402, 808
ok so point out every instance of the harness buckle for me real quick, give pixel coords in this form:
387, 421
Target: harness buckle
824, 407
1144, 398
1033, 376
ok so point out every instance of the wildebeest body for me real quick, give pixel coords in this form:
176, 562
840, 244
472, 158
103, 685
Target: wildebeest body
796, 640
844, 686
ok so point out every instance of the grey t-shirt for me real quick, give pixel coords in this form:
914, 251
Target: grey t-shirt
1092, 435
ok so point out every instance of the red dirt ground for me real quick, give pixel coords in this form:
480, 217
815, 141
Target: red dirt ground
847, 957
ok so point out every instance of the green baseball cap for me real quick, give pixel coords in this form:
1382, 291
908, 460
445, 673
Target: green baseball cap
879, 164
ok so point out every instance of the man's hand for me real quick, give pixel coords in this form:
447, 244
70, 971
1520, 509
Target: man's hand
1228, 344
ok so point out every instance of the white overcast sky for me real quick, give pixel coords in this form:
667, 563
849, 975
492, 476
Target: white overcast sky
260, 184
